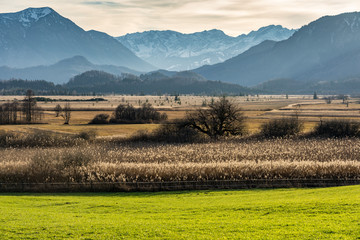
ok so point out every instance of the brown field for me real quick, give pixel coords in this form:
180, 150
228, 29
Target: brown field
257, 109
109, 158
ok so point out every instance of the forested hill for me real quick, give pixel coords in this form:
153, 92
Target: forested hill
155, 83
152, 83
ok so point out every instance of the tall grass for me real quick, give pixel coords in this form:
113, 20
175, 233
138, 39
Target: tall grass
231, 160
42, 138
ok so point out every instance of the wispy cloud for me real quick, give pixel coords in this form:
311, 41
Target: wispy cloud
103, 3
118, 17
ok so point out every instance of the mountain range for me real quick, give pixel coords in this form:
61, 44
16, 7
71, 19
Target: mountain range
61, 71
38, 43
176, 51
40, 36
325, 50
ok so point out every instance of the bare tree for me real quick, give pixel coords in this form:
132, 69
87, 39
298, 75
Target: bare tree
222, 118
15, 108
57, 110
29, 104
66, 113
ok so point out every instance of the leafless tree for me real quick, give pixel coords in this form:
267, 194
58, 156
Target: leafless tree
57, 110
222, 118
29, 105
66, 113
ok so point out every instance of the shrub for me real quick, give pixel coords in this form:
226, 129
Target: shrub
174, 132
177, 131
37, 138
88, 135
337, 128
284, 127
129, 114
100, 119
5, 138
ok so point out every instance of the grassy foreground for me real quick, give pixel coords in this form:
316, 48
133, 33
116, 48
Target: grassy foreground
332, 213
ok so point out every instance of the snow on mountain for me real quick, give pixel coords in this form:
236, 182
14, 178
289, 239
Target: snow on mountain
325, 50
176, 51
27, 17
41, 36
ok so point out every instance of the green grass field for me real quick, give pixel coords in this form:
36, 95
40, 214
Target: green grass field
331, 213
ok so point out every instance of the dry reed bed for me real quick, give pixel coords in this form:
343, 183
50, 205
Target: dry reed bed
231, 160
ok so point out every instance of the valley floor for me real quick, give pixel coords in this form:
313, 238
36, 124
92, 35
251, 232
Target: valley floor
331, 213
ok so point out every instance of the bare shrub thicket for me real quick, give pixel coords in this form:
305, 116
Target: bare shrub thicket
89, 135
37, 138
231, 160
284, 127
100, 119
337, 128
145, 114
171, 132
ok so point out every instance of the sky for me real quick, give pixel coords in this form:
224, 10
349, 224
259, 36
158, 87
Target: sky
234, 17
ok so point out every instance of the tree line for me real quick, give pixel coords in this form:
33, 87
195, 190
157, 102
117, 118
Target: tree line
25, 111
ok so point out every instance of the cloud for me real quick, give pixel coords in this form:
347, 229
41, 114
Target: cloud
103, 3
234, 17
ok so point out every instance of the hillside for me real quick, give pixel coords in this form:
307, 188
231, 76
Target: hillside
153, 83
61, 71
40, 36
327, 49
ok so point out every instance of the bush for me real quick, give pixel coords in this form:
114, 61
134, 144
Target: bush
174, 132
5, 138
88, 135
337, 128
100, 119
37, 138
177, 132
129, 114
284, 127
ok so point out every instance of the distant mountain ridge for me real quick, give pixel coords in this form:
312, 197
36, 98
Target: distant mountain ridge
40, 36
177, 51
62, 71
154, 83
327, 49
101, 82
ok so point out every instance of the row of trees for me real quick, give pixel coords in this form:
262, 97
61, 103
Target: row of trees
25, 111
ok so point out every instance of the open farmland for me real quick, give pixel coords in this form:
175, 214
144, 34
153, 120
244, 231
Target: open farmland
332, 213
52, 152
257, 109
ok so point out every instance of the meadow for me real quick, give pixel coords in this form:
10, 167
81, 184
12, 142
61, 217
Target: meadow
54, 152
51, 152
257, 110
331, 213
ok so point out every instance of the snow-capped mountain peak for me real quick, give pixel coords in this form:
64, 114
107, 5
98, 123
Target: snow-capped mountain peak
27, 16
41, 36
177, 51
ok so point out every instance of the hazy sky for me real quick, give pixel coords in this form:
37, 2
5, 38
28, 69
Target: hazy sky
234, 17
